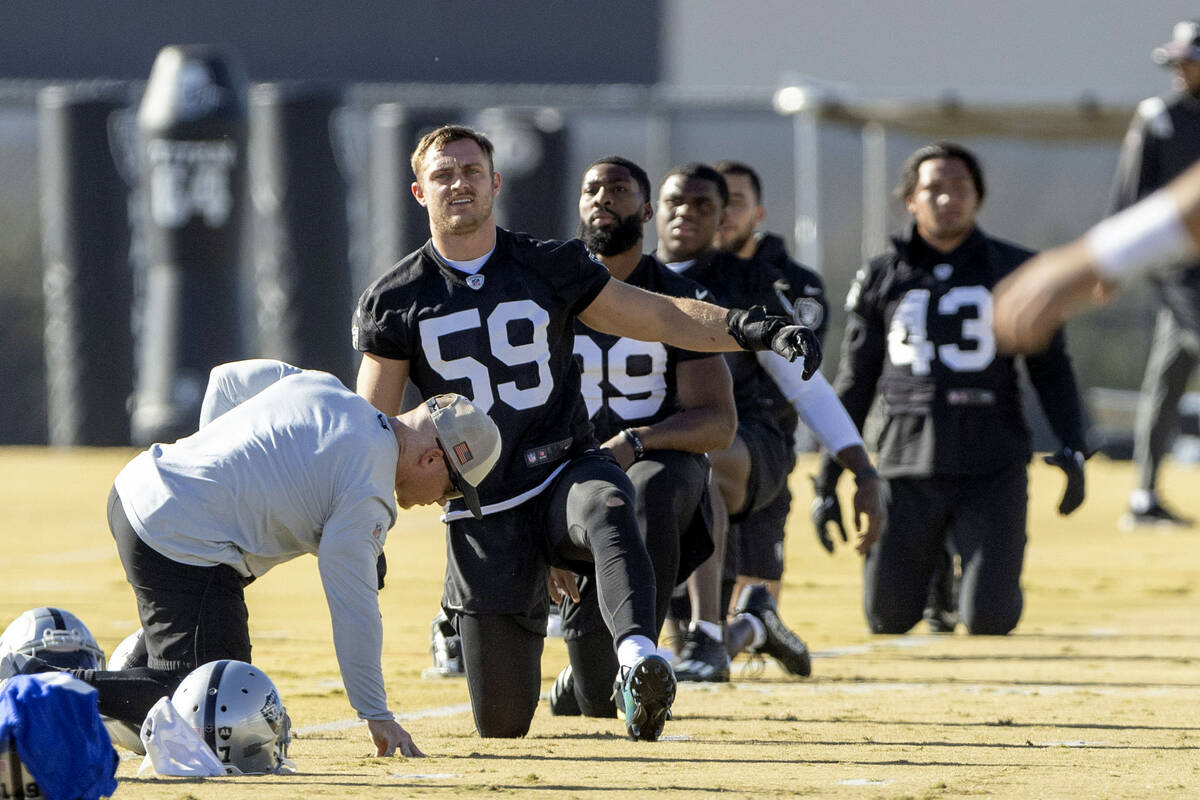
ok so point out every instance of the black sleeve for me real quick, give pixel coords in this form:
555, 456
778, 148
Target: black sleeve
1053, 378
863, 350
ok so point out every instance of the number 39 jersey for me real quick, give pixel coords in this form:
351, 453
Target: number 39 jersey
627, 382
502, 337
919, 334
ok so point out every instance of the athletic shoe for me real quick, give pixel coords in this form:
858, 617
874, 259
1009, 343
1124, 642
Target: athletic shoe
785, 646
941, 607
446, 647
703, 659
644, 694
563, 702
1156, 516
940, 620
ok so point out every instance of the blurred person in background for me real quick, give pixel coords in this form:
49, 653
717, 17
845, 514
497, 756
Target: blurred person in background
1162, 141
1159, 233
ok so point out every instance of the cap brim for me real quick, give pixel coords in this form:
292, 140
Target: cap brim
471, 498
462, 488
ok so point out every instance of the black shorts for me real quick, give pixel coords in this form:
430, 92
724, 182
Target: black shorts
191, 615
771, 460
758, 543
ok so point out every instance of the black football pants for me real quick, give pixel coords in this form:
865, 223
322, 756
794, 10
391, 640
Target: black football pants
669, 486
191, 615
984, 520
589, 522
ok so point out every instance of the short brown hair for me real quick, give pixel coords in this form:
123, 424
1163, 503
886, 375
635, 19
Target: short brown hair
445, 135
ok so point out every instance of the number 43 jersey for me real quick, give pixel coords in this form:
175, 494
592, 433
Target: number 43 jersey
502, 337
919, 335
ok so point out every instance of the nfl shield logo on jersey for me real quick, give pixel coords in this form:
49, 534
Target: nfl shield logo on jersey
475, 281
943, 271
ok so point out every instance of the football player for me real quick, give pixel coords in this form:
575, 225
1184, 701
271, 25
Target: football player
954, 444
286, 462
753, 471
491, 314
1163, 140
659, 409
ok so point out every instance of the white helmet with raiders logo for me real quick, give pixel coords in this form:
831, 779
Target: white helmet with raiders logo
236, 710
55, 636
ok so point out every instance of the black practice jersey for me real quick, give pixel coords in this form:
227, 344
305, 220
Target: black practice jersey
919, 335
1163, 140
800, 295
628, 382
738, 283
502, 337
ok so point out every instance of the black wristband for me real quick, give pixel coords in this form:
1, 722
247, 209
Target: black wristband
863, 474
635, 441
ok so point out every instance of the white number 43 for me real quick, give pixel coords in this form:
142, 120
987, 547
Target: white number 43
908, 338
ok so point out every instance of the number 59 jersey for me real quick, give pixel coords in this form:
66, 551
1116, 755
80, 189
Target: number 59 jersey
919, 335
503, 337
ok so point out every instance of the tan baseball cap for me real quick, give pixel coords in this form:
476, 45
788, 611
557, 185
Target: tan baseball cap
470, 443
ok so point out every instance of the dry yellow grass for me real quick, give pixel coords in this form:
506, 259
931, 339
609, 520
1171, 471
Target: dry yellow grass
1094, 696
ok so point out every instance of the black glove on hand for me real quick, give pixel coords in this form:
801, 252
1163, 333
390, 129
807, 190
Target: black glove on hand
797, 340
1071, 462
826, 509
753, 329
756, 330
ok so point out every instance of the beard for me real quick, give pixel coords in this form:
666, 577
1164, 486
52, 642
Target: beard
610, 241
459, 224
735, 242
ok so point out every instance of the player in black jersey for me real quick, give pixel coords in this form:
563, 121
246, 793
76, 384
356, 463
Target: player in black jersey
954, 444
753, 471
493, 313
659, 409
800, 294
1164, 140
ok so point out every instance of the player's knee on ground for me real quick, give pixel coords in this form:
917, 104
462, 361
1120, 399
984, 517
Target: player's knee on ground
503, 663
893, 619
990, 620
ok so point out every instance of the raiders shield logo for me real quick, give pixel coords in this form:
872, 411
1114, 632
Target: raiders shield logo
809, 312
475, 281
943, 271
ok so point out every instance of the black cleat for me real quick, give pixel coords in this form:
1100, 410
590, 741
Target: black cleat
703, 659
446, 647
563, 702
785, 646
1156, 516
644, 694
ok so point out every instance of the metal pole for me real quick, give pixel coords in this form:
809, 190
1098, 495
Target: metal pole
874, 200
807, 179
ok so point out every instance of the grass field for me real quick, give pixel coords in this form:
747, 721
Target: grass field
1096, 695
